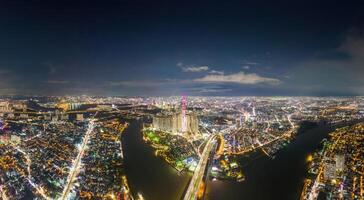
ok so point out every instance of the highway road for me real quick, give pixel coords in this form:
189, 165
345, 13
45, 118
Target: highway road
193, 187
260, 145
77, 162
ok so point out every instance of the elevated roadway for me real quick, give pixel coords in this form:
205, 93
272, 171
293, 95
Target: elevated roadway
194, 185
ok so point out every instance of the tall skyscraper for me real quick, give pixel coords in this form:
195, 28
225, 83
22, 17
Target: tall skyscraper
183, 113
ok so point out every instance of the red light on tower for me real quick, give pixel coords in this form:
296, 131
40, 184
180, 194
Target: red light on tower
183, 113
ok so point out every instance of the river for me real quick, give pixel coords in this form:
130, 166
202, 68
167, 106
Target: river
148, 174
265, 178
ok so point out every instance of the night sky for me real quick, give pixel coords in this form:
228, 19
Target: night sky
145, 48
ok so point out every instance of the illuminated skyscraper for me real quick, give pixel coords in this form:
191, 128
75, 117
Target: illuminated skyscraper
183, 114
183, 122
172, 122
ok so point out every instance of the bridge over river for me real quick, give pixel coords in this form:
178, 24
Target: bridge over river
197, 178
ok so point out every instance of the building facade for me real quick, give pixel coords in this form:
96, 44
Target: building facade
173, 122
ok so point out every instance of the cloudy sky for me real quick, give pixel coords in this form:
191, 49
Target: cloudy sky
186, 47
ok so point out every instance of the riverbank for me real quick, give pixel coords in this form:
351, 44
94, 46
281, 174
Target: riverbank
280, 178
173, 149
148, 174
265, 178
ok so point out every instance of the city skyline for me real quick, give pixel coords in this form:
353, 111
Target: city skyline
171, 48
84, 147
172, 100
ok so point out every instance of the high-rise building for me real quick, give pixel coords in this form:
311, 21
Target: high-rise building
173, 122
178, 122
5, 107
339, 162
79, 117
68, 106
329, 171
183, 114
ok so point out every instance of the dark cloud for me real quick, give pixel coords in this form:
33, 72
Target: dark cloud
58, 82
342, 73
227, 48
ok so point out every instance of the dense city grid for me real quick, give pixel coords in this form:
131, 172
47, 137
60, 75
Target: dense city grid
71, 147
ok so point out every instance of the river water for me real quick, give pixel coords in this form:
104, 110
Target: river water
265, 178
146, 173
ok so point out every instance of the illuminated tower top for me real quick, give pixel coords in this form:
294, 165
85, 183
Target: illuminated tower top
183, 113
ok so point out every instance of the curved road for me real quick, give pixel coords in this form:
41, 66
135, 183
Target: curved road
196, 179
